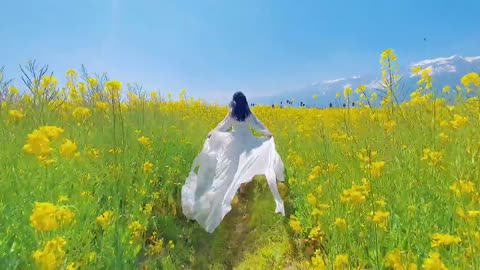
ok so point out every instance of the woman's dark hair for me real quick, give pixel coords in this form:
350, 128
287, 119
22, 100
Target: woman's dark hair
240, 108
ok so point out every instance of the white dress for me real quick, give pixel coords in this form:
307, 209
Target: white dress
227, 160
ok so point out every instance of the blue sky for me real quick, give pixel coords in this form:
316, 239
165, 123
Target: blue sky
213, 48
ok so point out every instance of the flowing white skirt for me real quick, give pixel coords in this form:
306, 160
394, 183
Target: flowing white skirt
227, 160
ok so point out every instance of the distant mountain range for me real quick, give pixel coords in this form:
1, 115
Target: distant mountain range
445, 71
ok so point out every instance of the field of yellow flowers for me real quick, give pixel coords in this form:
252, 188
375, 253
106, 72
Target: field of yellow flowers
91, 180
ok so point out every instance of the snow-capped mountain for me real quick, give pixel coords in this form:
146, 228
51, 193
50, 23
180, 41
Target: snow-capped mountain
445, 71
450, 64
448, 70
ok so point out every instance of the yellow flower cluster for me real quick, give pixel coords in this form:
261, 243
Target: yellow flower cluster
39, 143
47, 216
136, 230
434, 262
155, 247
105, 219
461, 187
356, 194
16, 114
400, 260
439, 239
112, 89
380, 217
145, 141
432, 157
52, 255
471, 78
69, 149
81, 114
370, 166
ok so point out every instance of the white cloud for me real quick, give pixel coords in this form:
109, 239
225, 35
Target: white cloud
334, 81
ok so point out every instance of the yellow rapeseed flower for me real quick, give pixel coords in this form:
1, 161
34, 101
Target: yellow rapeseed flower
16, 114
71, 72
347, 91
341, 262
341, 223
393, 259
92, 82
458, 121
439, 239
105, 219
136, 230
433, 262
47, 216
113, 88
389, 125
461, 187
361, 89
81, 113
147, 209
38, 144
318, 262
62, 198
101, 105
380, 217
377, 168
397, 260
52, 255
94, 153
145, 141
48, 82
72, 266
155, 246
68, 149
356, 194
147, 167
295, 224
443, 137
153, 95
432, 157
416, 69
13, 90
311, 199
52, 132
470, 78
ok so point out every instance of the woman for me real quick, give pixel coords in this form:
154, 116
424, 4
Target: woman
227, 160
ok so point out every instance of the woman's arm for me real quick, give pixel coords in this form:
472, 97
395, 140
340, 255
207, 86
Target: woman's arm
258, 125
224, 125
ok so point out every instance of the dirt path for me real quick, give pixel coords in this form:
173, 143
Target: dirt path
249, 235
